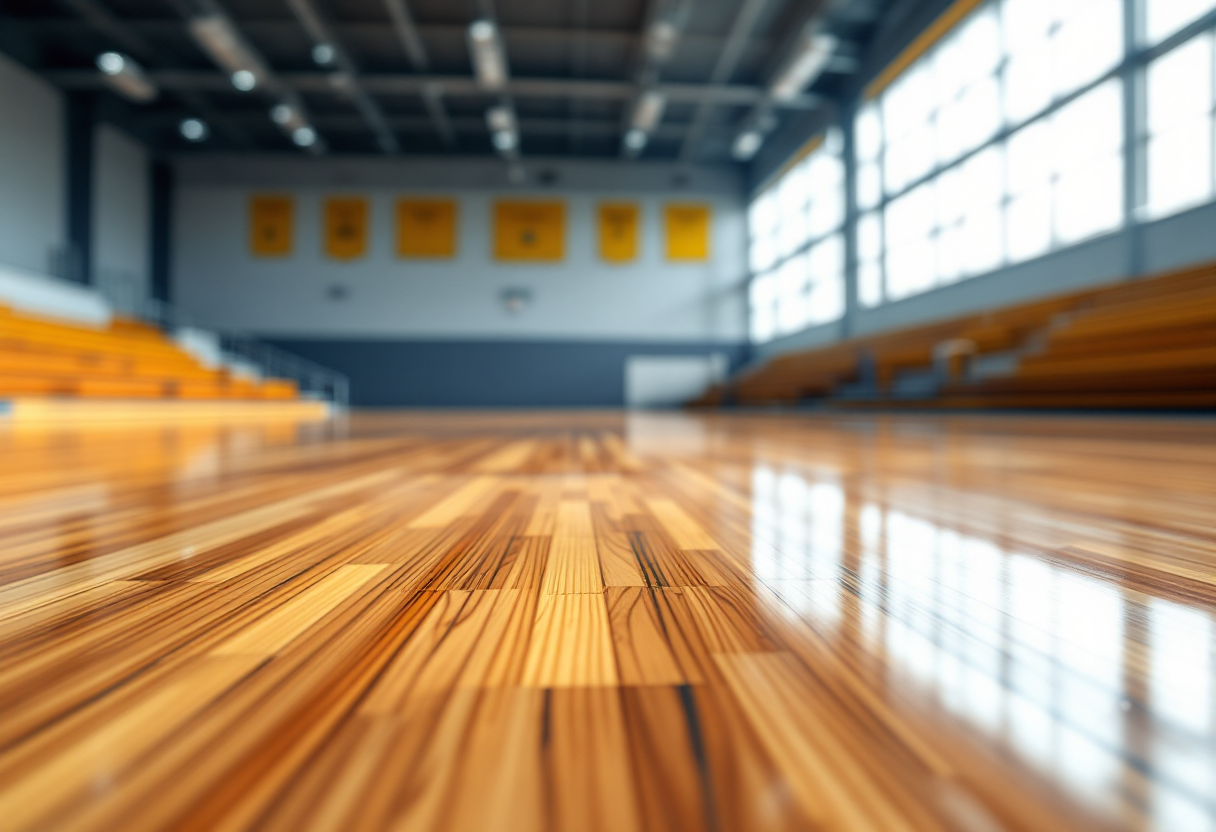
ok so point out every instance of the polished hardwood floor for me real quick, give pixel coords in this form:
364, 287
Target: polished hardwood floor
601, 621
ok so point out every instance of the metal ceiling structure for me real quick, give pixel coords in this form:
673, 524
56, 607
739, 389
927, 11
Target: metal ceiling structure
399, 76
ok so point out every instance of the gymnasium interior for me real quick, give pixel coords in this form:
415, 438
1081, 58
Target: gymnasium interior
572, 416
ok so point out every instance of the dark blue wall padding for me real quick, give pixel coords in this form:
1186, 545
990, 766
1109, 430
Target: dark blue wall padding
386, 373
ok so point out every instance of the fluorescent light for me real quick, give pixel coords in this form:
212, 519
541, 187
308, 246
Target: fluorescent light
635, 140
649, 110
288, 117
193, 129
244, 80
282, 114
814, 52
126, 77
746, 144
215, 34
482, 30
500, 119
504, 140
504, 131
323, 54
489, 57
304, 136
661, 39
111, 63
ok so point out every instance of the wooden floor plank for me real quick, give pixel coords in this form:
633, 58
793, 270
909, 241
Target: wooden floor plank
606, 621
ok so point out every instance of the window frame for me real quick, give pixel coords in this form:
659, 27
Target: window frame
1128, 75
829, 142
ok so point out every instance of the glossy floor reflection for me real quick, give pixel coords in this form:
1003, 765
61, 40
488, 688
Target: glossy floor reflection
603, 621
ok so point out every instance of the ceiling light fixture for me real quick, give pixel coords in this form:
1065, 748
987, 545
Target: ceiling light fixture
288, 117
648, 112
193, 129
244, 80
216, 35
489, 56
504, 140
504, 129
500, 118
635, 140
813, 53
661, 39
304, 136
323, 54
747, 144
126, 77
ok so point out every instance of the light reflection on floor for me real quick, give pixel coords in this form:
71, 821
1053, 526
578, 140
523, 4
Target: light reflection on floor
1060, 668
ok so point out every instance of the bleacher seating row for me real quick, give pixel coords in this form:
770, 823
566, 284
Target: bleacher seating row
127, 360
1145, 344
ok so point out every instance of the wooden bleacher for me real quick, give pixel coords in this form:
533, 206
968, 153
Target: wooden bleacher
1149, 343
128, 360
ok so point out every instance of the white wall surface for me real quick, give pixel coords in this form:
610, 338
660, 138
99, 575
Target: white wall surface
121, 214
50, 297
670, 380
32, 160
219, 284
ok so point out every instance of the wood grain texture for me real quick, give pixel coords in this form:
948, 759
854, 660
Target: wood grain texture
600, 621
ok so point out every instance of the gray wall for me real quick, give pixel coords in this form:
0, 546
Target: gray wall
34, 192
435, 332
219, 284
122, 218
32, 154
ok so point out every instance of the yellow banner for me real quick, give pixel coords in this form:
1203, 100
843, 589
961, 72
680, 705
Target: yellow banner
618, 231
426, 228
529, 230
687, 231
271, 223
346, 227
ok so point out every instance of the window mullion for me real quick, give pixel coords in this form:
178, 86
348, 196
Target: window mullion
1135, 133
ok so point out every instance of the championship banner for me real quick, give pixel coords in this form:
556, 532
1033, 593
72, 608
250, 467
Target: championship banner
529, 230
346, 227
687, 227
618, 231
271, 221
426, 228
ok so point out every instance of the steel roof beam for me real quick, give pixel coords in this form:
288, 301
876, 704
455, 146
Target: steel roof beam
648, 65
321, 32
724, 68
415, 50
547, 35
456, 85
463, 124
761, 111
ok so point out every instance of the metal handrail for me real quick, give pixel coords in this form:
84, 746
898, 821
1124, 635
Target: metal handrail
312, 379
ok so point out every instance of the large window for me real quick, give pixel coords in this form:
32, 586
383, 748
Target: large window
1180, 125
797, 246
992, 148
1163, 18
1006, 140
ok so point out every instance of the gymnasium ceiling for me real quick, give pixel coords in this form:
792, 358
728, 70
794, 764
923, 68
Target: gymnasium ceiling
576, 69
